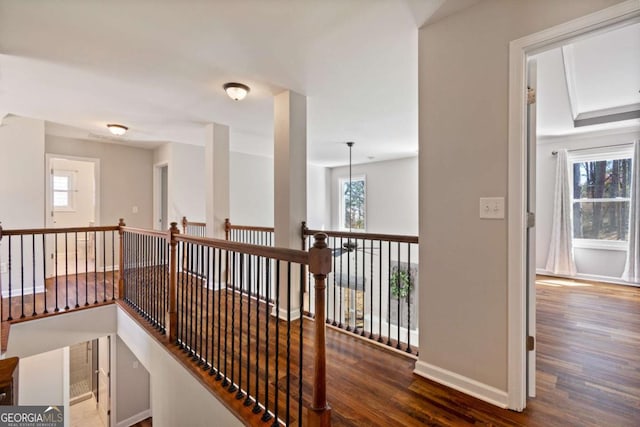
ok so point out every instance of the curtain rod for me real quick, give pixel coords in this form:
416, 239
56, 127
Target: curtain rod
595, 148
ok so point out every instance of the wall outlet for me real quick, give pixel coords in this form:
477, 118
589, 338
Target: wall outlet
3, 267
136, 364
492, 207
134, 209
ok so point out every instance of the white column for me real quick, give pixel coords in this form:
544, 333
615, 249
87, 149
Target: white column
216, 153
290, 180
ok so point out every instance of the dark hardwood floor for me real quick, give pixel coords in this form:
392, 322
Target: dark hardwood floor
588, 370
588, 343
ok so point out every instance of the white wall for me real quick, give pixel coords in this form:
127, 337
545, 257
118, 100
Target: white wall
132, 387
186, 180
598, 262
125, 178
251, 189
318, 197
391, 195
463, 128
22, 172
177, 398
43, 379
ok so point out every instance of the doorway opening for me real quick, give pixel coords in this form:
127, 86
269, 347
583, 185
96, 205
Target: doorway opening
72, 200
89, 383
161, 197
522, 186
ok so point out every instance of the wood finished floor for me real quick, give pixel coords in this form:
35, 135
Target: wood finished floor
588, 370
588, 343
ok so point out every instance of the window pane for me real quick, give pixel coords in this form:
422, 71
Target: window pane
60, 183
604, 179
601, 220
60, 199
354, 203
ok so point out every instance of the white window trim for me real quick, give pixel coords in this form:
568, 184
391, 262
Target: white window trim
607, 245
593, 155
71, 201
341, 207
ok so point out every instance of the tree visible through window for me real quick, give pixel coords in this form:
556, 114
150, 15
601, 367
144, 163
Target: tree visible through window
601, 199
353, 203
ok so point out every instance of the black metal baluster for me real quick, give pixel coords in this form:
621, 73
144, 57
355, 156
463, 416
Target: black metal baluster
22, 276
340, 285
409, 298
95, 267
104, 267
371, 289
113, 266
300, 345
225, 381
44, 272
76, 251
380, 293
219, 348
55, 264
207, 281
240, 394
256, 407
86, 268
288, 374
277, 350
389, 295
66, 271
247, 401
180, 296
399, 299
33, 265
267, 416
200, 279
232, 387
10, 267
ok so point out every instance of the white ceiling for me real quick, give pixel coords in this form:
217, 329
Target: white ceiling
600, 72
158, 67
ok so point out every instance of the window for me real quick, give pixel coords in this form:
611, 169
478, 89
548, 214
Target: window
352, 203
62, 183
601, 197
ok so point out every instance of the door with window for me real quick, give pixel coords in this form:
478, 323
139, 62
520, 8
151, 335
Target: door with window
71, 201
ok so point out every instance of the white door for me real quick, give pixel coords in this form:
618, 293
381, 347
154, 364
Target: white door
104, 382
71, 201
531, 230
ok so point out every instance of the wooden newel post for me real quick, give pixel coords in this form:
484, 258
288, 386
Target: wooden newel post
320, 265
172, 313
121, 226
184, 225
227, 228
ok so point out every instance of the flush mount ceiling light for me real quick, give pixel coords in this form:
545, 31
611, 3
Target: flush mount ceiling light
236, 91
117, 130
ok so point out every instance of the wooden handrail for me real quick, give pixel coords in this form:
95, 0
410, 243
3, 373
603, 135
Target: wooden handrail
282, 254
30, 231
143, 231
357, 235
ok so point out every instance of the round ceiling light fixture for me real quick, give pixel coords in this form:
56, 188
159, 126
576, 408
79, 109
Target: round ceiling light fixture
236, 91
117, 130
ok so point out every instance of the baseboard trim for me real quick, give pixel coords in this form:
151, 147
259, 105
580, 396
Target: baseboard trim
589, 277
461, 383
282, 315
135, 418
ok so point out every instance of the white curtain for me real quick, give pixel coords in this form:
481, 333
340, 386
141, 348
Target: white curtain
560, 259
632, 267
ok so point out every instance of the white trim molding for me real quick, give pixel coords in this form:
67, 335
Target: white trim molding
618, 15
135, 418
463, 384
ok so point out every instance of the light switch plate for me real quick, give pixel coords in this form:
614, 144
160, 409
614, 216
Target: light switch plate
492, 207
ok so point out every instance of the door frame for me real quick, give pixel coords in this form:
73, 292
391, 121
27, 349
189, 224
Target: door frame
618, 15
157, 194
